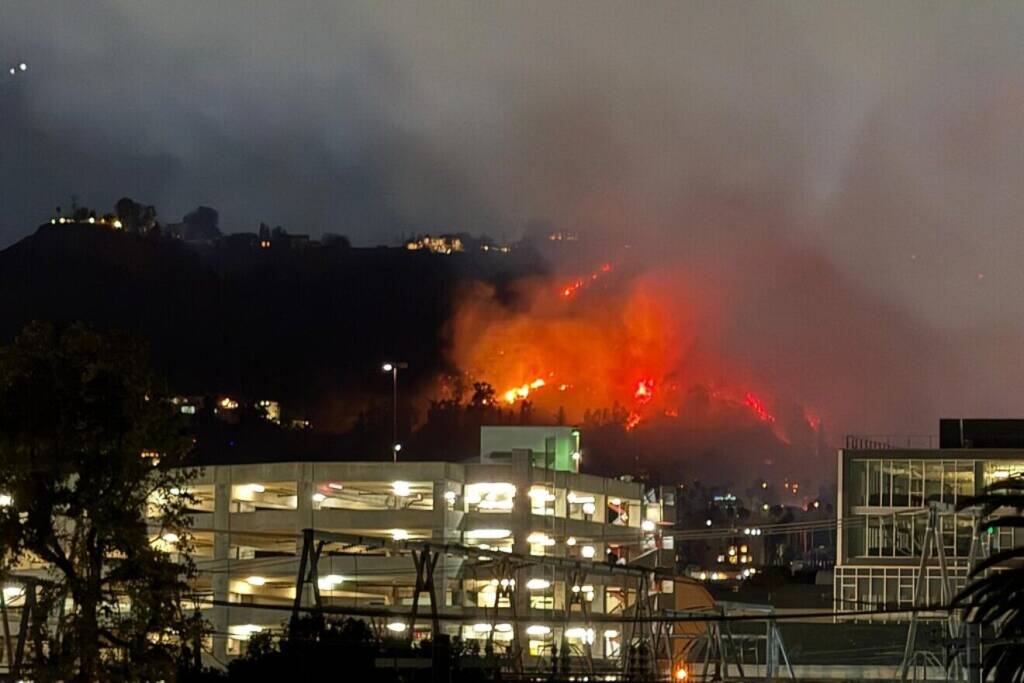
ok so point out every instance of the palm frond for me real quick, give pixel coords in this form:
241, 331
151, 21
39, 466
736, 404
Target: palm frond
994, 597
999, 558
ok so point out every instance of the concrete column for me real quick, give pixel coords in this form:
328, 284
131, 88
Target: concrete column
304, 513
442, 531
222, 560
520, 516
521, 519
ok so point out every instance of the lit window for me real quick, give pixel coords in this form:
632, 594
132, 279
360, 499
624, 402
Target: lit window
490, 497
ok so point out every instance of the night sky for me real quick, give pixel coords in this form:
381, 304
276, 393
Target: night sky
873, 150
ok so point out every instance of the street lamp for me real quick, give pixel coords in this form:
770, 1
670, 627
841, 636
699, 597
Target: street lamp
393, 368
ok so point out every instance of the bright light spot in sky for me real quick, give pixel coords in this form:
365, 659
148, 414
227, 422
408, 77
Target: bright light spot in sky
23, 66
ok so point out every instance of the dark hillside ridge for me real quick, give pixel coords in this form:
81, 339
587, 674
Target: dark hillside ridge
302, 326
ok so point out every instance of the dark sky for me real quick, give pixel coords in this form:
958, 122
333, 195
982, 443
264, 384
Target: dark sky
877, 146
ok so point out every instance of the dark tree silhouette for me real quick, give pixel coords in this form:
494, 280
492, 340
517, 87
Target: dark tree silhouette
129, 212
202, 224
91, 458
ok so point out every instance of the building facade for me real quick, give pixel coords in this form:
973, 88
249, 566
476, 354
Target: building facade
884, 498
525, 495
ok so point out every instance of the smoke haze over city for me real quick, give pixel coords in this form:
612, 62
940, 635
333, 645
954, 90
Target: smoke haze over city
821, 201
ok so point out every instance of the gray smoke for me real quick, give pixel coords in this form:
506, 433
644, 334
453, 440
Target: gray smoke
844, 177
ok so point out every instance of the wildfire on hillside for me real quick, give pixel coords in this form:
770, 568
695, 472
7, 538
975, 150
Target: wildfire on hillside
629, 347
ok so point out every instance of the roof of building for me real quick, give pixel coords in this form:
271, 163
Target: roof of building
981, 433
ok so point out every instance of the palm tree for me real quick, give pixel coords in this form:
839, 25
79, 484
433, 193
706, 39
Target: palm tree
994, 597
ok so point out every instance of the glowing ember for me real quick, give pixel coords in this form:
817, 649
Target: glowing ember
644, 391
632, 421
572, 287
518, 393
759, 408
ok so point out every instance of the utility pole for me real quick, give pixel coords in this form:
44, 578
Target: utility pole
393, 368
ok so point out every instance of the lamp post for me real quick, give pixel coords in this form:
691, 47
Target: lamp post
393, 368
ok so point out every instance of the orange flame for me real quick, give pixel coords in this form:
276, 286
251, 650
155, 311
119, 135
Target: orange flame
644, 391
635, 346
589, 350
521, 392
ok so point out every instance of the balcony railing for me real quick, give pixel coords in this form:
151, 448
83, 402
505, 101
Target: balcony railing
882, 442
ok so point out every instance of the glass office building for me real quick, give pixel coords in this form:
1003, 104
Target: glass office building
883, 511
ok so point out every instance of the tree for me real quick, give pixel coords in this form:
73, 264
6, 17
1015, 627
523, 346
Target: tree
994, 598
311, 646
202, 224
91, 470
129, 213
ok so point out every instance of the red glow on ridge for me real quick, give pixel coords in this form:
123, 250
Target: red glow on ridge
759, 408
571, 288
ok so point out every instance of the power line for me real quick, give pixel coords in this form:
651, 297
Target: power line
719, 617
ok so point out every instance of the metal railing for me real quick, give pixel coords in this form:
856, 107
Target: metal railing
882, 442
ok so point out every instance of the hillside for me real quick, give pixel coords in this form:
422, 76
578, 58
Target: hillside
308, 327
